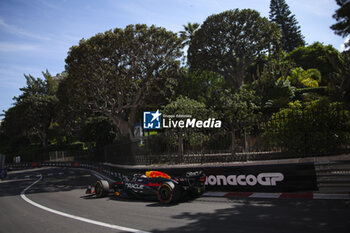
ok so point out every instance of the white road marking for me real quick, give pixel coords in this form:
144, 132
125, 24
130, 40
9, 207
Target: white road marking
12, 181
60, 173
331, 196
324, 196
121, 228
214, 194
266, 195
26, 176
49, 174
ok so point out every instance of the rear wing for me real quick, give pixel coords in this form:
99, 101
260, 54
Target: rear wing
194, 174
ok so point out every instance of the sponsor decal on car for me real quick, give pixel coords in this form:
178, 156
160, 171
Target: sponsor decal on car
134, 186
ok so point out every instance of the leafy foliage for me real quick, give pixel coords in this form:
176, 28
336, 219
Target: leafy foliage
319, 126
343, 92
304, 78
280, 93
274, 92
208, 87
324, 58
238, 106
97, 131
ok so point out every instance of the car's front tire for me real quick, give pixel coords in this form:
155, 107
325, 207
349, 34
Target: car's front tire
101, 188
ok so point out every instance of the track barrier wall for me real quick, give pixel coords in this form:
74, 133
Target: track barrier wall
296, 177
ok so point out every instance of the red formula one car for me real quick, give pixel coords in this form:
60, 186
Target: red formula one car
153, 184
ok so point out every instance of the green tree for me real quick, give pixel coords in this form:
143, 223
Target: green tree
229, 42
186, 106
341, 92
282, 16
39, 102
112, 73
16, 128
342, 15
344, 89
236, 108
324, 58
29, 120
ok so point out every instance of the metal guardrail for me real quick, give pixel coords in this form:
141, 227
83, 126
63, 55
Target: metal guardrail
3, 171
333, 176
197, 158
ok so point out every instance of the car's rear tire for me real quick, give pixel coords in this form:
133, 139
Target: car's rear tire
101, 188
168, 192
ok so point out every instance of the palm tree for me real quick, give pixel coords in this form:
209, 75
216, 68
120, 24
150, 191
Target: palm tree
188, 32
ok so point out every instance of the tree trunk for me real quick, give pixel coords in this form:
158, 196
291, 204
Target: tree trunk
181, 147
44, 139
126, 128
123, 127
239, 75
233, 142
43, 136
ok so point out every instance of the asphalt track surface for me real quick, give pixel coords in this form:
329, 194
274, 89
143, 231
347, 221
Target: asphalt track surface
63, 191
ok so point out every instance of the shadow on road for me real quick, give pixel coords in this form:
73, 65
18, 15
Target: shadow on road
272, 216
